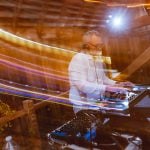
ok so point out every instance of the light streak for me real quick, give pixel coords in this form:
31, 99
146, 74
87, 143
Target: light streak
114, 4
6, 82
53, 98
42, 96
95, 1
38, 46
138, 5
4, 57
34, 71
38, 68
31, 44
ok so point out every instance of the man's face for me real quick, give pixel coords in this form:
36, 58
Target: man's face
95, 45
96, 40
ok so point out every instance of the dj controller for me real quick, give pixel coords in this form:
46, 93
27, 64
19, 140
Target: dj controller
97, 126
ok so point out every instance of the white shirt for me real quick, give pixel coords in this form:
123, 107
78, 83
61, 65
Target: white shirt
87, 79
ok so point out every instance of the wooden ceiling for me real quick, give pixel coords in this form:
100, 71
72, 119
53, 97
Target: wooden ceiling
42, 15
54, 13
50, 13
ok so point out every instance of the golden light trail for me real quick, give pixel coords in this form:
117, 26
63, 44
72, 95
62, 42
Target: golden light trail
95, 1
128, 5
114, 4
138, 5
38, 46
31, 44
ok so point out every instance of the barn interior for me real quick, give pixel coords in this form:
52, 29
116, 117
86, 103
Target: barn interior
38, 39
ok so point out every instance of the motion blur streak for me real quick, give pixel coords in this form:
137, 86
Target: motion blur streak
115, 4
37, 72
38, 95
34, 71
138, 5
29, 44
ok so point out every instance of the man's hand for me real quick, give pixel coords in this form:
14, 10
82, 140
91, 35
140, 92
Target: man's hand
116, 89
125, 84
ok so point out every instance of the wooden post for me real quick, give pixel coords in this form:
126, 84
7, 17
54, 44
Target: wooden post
32, 124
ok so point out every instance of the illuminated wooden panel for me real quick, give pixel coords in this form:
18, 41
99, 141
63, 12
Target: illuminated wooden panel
135, 65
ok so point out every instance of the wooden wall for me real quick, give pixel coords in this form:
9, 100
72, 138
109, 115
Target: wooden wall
123, 50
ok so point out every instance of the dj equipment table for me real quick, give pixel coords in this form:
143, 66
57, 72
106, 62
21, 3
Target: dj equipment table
113, 123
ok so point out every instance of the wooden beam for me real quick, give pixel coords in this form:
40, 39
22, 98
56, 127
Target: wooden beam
51, 8
11, 117
23, 112
135, 65
141, 21
88, 17
31, 117
36, 6
34, 24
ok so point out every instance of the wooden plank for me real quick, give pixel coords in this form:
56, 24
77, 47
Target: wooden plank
139, 22
31, 121
50, 9
21, 113
31, 117
41, 104
18, 114
135, 65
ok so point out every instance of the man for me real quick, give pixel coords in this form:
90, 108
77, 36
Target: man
88, 81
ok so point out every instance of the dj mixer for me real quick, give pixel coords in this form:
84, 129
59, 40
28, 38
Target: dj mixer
94, 128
